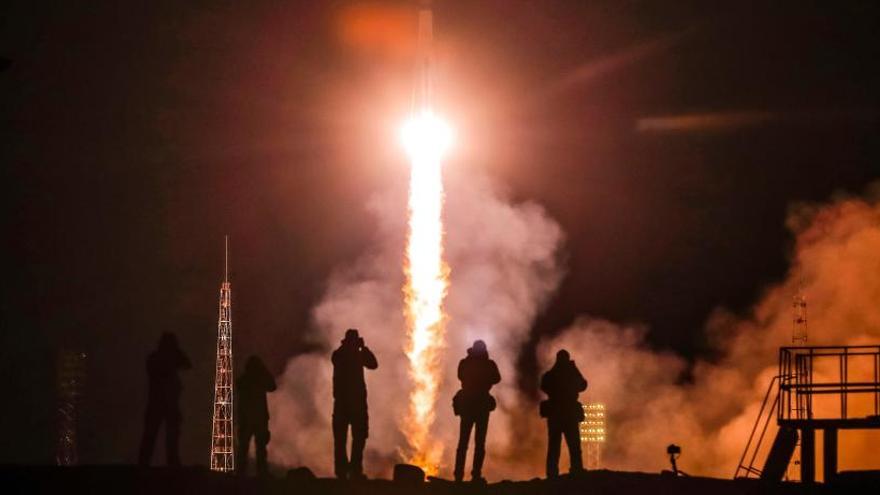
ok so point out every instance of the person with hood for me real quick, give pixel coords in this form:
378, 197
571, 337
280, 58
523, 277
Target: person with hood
473, 403
253, 413
562, 384
350, 403
163, 399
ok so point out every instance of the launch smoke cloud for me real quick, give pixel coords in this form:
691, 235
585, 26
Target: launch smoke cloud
505, 262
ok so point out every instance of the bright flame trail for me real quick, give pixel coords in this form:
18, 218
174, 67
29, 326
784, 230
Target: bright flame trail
425, 137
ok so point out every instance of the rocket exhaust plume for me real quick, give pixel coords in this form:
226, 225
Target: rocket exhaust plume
425, 138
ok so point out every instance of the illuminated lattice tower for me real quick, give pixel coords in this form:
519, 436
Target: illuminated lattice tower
799, 318
71, 379
222, 455
798, 338
593, 434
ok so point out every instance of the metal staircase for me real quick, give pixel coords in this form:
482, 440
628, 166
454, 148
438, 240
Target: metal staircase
746, 467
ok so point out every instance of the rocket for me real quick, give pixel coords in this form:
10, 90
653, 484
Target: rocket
425, 135
424, 86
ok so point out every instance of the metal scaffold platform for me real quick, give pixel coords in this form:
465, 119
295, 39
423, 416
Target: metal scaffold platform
815, 390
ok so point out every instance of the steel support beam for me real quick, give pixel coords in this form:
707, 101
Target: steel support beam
829, 454
808, 455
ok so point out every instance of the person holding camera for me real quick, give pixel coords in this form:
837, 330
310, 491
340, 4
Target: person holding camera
562, 384
350, 403
473, 403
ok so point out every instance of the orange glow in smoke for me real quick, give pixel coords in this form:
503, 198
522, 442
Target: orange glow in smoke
379, 29
425, 138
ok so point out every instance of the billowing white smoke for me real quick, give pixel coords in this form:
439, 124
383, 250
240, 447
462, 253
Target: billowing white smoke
836, 258
504, 265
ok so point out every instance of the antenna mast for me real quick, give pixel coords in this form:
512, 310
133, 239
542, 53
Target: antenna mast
798, 338
799, 317
222, 456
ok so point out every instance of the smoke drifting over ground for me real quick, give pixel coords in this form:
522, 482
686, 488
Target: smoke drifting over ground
837, 261
505, 262
504, 266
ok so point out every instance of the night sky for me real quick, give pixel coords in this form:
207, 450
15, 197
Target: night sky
136, 136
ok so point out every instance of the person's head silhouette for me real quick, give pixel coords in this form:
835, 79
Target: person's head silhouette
352, 338
562, 356
168, 342
254, 366
478, 349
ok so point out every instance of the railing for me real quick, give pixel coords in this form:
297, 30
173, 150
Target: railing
799, 382
806, 373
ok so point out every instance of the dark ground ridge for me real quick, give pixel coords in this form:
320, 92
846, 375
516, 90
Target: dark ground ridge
123, 479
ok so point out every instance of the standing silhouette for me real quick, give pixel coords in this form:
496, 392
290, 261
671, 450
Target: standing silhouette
350, 403
473, 404
163, 399
253, 413
562, 384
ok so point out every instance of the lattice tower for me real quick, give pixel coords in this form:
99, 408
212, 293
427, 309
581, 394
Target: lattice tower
222, 449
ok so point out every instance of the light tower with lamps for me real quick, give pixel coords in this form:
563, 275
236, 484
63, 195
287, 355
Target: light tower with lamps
593, 434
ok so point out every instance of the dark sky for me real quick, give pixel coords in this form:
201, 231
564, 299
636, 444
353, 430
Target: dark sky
136, 136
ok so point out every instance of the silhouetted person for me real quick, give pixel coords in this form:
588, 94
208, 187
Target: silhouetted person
253, 413
350, 403
562, 384
473, 404
163, 399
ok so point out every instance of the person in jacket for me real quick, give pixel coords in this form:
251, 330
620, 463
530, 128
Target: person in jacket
350, 403
472, 404
253, 413
562, 384
163, 399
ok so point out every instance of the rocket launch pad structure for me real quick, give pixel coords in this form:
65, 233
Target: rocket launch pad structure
806, 374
